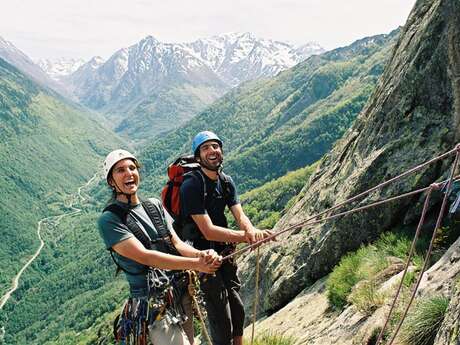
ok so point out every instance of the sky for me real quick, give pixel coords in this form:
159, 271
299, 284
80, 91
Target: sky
86, 28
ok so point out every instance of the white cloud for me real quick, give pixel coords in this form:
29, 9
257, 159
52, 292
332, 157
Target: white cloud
83, 28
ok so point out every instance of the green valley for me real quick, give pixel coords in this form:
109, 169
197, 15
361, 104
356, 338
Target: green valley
270, 127
48, 147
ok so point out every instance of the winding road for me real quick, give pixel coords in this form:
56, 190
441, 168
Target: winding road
77, 197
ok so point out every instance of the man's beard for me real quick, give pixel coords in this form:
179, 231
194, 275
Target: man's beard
216, 167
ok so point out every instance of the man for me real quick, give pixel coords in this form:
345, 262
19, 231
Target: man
204, 194
137, 256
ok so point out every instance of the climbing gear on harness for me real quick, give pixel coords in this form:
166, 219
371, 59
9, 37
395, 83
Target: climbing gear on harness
197, 302
131, 326
163, 243
203, 137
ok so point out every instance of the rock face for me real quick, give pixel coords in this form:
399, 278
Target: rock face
449, 334
412, 117
440, 278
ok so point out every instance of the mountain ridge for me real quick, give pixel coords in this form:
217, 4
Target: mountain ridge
165, 84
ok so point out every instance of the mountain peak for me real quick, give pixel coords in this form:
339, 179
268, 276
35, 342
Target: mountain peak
148, 40
56, 68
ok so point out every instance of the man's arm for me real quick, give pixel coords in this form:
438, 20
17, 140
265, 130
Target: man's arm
213, 232
252, 234
133, 249
187, 250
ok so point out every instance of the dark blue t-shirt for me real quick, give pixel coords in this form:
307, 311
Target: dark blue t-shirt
193, 201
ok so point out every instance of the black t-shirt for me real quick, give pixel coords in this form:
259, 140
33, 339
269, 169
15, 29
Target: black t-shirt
193, 201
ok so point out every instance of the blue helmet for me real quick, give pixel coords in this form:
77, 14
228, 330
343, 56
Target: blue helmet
203, 137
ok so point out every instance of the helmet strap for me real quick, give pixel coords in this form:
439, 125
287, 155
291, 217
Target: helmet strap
118, 191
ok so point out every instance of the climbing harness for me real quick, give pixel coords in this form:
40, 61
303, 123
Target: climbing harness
165, 288
131, 326
163, 243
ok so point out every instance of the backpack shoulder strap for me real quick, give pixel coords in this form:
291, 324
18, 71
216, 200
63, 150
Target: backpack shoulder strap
225, 180
125, 217
156, 214
118, 210
123, 214
158, 218
198, 173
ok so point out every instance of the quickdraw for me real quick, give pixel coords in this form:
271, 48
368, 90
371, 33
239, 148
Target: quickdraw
197, 299
131, 326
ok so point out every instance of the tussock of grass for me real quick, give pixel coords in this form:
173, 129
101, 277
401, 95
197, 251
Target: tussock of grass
344, 276
366, 298
272, 339
423, 322
363, 266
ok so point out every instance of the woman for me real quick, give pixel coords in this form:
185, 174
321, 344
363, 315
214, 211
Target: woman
144, 245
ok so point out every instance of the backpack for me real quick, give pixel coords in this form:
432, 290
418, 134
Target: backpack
163, 243
170, 195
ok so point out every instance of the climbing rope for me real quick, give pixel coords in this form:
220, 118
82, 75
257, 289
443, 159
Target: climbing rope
314, 220
311, 220
409, 258
193, 281
430, 248
256, 293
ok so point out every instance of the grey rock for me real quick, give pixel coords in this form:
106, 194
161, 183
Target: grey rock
412, 116
449, 333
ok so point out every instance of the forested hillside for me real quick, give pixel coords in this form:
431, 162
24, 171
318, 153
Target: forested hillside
48, 148
265, 205
270, 127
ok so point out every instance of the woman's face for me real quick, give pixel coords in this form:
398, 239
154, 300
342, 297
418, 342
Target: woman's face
125, 177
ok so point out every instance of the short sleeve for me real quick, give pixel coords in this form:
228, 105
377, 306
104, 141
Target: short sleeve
232, 198
112, 230
192, 197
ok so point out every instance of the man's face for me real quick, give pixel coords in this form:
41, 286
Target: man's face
211, 156
125, 177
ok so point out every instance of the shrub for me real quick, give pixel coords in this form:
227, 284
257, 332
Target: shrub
365, 264
272, 339
423, 322
366, 298
344, 276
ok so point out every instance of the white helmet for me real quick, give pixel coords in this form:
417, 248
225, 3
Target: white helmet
113, 158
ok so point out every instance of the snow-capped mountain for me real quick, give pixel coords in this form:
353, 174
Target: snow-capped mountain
21, 61
308, 49
233, 58
170, 82
238, 57
56, 68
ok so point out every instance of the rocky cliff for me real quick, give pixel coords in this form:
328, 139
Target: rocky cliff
412, 116
449, 332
